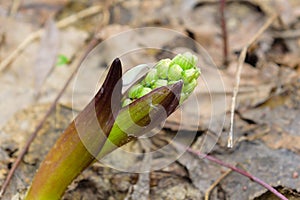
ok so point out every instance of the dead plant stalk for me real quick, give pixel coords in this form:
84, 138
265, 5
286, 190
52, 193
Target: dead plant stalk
238, 170
241, 61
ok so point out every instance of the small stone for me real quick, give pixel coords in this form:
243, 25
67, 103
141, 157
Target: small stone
295, 175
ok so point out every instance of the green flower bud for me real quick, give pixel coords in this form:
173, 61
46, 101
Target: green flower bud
159, 83
191, 58
185, 61
162, 68
174, 72
144, 91
151, 77
167, 72
188, 88
134, 91
190, 74
172, 82
126, 102
92, 135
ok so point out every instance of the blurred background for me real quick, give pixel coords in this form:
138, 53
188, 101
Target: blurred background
42, 40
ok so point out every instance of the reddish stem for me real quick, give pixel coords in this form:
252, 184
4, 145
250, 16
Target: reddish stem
240, 171
224, 32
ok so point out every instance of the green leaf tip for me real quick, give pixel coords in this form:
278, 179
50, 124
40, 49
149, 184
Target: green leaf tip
62, 60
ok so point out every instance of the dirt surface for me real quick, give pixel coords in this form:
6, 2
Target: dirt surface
267, 114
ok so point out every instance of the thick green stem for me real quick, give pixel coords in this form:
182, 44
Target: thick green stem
69, 156
58, 171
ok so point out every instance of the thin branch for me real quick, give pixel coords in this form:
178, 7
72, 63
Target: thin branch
78, 16
36, 35
14, 7
240, 171
90, 46
224, 32
208, 191
288, 34
238, 75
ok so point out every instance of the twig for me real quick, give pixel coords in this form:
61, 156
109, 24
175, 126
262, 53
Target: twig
287, 34
238, 170
78, 16
238, 75
35, 35
208, 191
224, 32
14, 7
90, 46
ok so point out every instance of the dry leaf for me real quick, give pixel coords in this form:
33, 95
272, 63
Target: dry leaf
16, 84
282, 140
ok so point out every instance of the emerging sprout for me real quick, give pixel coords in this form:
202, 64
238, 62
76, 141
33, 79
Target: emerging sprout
62, 60
167, 85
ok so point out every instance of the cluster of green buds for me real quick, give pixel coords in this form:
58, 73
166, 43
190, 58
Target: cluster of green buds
104, 125
167, 72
